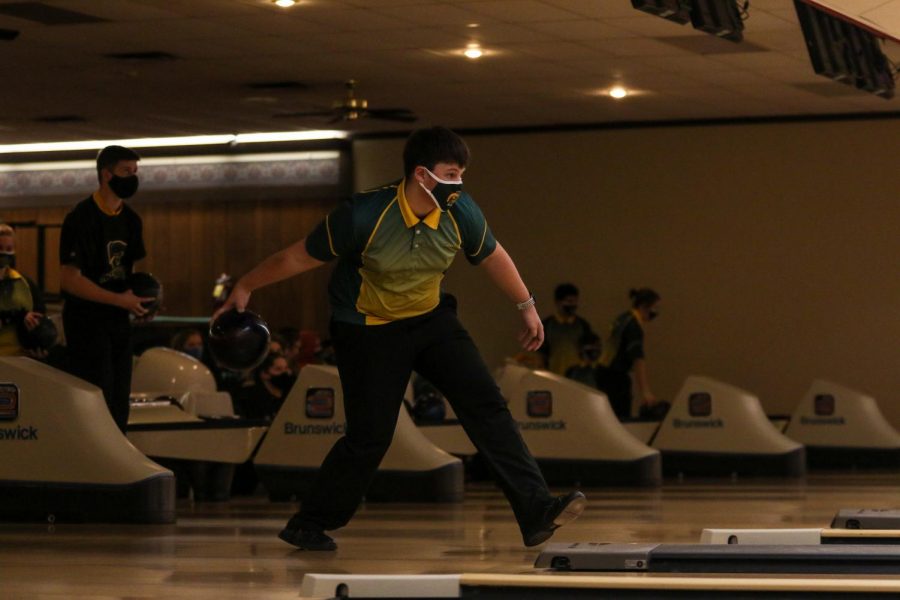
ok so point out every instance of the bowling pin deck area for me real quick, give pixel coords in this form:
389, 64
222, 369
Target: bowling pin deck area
229, 550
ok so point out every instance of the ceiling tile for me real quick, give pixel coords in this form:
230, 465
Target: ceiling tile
547, 60
583, 29
518, 11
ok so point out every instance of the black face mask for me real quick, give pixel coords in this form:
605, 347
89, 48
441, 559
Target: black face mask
283, 382
652, 314
569, 309
7, 259
195, 351
124, 187
445, 193
591, 355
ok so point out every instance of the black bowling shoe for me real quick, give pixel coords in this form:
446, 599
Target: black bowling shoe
307, 539
564, 509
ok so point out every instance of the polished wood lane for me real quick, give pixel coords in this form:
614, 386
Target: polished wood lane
229, 550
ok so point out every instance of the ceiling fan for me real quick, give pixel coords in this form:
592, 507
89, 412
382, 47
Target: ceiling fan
351, 108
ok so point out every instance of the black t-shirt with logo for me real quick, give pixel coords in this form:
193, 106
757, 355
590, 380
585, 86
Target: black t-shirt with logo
103, 247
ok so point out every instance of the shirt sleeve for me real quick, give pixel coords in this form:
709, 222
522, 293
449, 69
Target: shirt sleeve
477, 239
71, 250
334, 236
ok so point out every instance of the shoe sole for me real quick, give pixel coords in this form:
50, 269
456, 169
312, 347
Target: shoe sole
569, 513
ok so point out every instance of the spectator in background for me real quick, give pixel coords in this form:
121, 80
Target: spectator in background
623, 353
21, 300
291, 337
190, 341
586, 370
277, 344
302, 348
262, 398
326, 355
307, 352
563, 330
100, 242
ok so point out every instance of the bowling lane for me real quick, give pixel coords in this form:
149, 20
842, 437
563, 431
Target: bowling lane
229, 550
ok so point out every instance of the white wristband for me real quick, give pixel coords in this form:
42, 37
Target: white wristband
525, 304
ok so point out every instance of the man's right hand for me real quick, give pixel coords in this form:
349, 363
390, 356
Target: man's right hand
32, 320
238, 300
133, 304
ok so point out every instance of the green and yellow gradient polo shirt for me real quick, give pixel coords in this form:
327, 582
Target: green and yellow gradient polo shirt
390, 262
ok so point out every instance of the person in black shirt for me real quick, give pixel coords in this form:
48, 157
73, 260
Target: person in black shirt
100, 242
272, 382
623, 352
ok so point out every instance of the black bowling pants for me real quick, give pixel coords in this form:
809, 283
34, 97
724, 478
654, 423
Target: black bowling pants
617, 387
375, 364
98, 349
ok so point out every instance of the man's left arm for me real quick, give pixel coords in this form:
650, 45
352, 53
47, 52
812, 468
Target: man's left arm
502, 271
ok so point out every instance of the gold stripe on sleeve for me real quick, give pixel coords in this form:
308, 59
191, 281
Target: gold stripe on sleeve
330, 241
483, 236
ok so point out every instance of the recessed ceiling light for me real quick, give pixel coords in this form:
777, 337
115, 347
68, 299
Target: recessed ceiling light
618, 92
473, 51
473, 25
285, 3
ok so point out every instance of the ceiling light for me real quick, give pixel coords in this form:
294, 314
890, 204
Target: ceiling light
473, 51
62, 165
169, 142
618, 92
285, 3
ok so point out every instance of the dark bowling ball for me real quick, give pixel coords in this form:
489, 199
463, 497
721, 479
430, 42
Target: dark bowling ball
145, 285
42, 337
654, 412
239, 340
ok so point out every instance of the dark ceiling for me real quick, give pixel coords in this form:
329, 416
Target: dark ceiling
86, 69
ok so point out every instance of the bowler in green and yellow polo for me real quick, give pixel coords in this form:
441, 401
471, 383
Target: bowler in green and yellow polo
393, 245
391, 262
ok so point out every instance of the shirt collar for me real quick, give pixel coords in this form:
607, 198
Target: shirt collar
564, 318
432, 219
637, 317
102, 205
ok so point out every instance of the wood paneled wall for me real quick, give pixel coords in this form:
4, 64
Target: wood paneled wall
190, 242
27, 241
773, 245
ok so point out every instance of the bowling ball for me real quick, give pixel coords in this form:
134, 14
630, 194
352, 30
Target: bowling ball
42, 337
654, 412
429, 408
145, 285
239, 340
